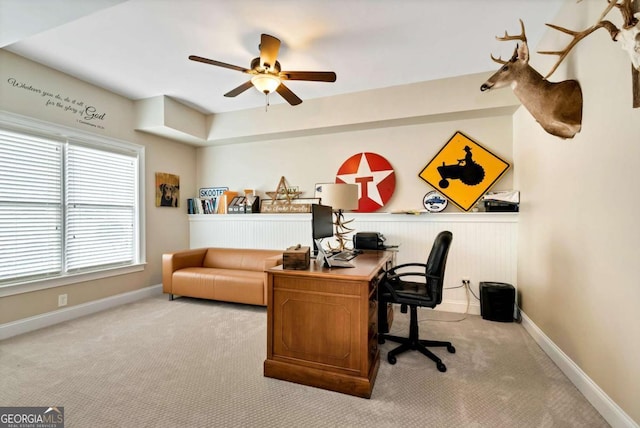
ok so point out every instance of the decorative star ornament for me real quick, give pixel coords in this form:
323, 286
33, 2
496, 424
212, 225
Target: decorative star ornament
283, 190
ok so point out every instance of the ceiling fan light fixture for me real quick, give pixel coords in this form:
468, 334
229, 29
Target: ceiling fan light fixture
267, 74
265, 83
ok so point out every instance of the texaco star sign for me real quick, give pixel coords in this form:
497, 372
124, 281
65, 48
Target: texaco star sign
374, 176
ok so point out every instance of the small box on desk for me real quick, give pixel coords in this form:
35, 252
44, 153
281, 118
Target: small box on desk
296, 258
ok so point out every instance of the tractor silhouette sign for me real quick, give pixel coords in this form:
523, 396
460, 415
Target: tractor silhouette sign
463, 171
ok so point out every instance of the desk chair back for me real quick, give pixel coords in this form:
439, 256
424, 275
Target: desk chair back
436, 265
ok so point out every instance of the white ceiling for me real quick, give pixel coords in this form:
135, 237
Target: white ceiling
139, 48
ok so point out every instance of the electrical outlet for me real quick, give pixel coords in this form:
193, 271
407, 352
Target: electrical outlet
62, 300
466, 280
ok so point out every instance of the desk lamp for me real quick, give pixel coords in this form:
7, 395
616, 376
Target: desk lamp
341, 197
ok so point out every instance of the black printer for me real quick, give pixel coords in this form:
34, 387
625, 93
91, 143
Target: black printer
369, 241
503, 201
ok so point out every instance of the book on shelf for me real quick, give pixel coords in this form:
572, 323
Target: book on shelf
202, 205
225, 200
217, 205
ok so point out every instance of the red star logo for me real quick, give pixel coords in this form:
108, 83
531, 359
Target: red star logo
375, 179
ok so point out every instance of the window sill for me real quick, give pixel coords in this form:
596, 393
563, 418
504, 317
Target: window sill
42, 284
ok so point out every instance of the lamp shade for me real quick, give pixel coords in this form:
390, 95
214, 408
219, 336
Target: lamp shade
339, 196
266, 83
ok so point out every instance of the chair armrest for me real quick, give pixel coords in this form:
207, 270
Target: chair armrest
406, 265
385, 287
399, 271
409, 264
393, 276
172, 262
397, 276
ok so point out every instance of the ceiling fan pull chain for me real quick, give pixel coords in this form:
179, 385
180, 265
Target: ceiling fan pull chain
266, 108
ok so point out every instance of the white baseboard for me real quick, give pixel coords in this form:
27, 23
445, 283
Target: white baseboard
45, 320
610, 411
458, 307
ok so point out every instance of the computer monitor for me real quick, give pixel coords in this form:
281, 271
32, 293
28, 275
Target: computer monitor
321, 223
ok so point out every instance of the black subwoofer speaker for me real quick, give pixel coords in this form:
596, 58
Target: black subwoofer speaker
497, 301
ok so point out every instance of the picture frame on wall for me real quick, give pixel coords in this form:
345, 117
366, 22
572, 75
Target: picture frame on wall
167, 190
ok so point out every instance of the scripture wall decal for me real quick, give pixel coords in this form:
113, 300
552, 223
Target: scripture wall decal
86, 114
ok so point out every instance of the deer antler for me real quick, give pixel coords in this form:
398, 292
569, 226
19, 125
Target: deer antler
499, 60
522, 37
627, 14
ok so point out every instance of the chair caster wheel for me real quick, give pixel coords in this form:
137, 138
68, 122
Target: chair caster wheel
441, 367
451, 349
392, 359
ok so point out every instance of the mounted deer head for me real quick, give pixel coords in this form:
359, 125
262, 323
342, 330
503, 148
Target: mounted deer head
628, 35
630, 41
556, 106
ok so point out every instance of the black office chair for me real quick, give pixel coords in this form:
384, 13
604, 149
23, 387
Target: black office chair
411, 287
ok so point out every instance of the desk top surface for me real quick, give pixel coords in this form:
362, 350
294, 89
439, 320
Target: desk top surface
366, 266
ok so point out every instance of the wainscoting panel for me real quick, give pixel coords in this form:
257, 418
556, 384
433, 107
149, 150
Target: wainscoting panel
484, 245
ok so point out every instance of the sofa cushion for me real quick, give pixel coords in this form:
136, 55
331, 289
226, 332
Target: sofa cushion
244, 259
240, 286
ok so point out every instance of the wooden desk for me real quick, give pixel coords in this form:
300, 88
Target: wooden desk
322, 325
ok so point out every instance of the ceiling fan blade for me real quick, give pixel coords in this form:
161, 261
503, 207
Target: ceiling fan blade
269, 47
289, 96
240, 89
218, 63
314, 76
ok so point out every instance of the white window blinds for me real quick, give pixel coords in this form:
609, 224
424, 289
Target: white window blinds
30, 206
100, 208
66, 207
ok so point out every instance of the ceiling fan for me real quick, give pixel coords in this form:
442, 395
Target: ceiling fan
267, 74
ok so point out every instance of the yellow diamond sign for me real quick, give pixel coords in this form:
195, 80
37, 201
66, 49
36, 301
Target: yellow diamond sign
463, 171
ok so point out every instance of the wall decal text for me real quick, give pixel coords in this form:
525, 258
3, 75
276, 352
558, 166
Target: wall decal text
87, 114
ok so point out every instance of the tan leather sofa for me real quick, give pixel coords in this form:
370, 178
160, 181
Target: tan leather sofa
227, 274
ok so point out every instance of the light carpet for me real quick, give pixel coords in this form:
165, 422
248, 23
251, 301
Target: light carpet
196, 363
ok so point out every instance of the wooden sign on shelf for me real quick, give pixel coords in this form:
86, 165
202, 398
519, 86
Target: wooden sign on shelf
281, 206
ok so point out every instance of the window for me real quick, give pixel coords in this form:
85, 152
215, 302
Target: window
69, 204
100, 208
30, 206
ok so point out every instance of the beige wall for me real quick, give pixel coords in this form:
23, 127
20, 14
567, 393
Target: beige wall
166, 228
578, 255
578, 258
305, 161
310, 148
